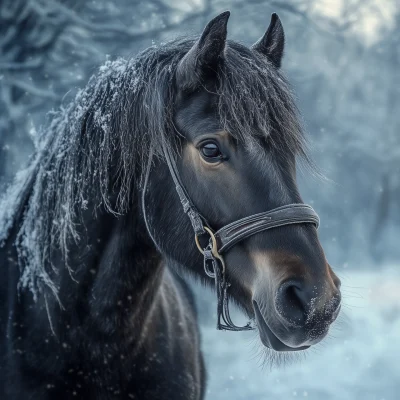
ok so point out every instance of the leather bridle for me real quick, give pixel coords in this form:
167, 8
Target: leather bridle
223, 239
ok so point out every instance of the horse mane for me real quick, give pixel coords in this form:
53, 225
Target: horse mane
92, 151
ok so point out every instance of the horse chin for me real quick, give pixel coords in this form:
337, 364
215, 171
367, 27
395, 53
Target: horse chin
268, 337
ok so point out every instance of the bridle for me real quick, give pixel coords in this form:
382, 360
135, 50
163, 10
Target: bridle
226, 237
223, 239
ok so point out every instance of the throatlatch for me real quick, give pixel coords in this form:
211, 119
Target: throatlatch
226, 237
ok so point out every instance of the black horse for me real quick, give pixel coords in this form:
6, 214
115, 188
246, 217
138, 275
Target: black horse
94, 239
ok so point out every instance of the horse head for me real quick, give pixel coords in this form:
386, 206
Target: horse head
237, 140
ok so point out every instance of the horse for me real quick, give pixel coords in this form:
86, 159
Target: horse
191, 145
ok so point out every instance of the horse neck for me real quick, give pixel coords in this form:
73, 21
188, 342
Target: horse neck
120, 278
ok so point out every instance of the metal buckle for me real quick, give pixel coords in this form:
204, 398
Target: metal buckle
214, 248
211, 256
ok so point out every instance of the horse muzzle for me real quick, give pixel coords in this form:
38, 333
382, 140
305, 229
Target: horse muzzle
295, 320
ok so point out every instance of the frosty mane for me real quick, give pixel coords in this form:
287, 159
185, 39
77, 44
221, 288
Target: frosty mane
92, 152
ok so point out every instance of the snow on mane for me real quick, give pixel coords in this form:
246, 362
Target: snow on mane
90, 155
58, 183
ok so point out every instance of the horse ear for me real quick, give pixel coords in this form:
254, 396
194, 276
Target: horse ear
203, 58
273, 42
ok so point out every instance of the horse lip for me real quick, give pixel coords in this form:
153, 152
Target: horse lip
268, 338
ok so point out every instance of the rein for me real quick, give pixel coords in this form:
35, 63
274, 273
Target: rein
226, 237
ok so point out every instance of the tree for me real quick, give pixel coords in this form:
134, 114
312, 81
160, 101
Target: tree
50, 47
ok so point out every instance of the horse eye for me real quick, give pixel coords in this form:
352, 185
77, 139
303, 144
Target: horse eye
210, 150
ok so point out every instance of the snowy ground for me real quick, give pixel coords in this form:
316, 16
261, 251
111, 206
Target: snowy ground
359, 361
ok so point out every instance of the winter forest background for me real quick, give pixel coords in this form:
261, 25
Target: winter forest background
343, 60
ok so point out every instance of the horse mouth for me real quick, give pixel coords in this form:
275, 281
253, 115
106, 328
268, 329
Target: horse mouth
268, 338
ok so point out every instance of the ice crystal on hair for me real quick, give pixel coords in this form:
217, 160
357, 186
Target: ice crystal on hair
90, 155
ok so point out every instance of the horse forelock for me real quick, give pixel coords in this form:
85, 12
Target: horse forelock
92, 152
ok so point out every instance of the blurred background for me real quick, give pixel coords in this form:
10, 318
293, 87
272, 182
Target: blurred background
343, 60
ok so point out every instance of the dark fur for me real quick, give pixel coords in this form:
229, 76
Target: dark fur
134, 101
82, 276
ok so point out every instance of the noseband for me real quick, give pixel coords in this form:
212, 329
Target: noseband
222, 240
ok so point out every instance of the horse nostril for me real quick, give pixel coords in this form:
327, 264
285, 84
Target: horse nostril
292, 301
302, 297
298, 302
